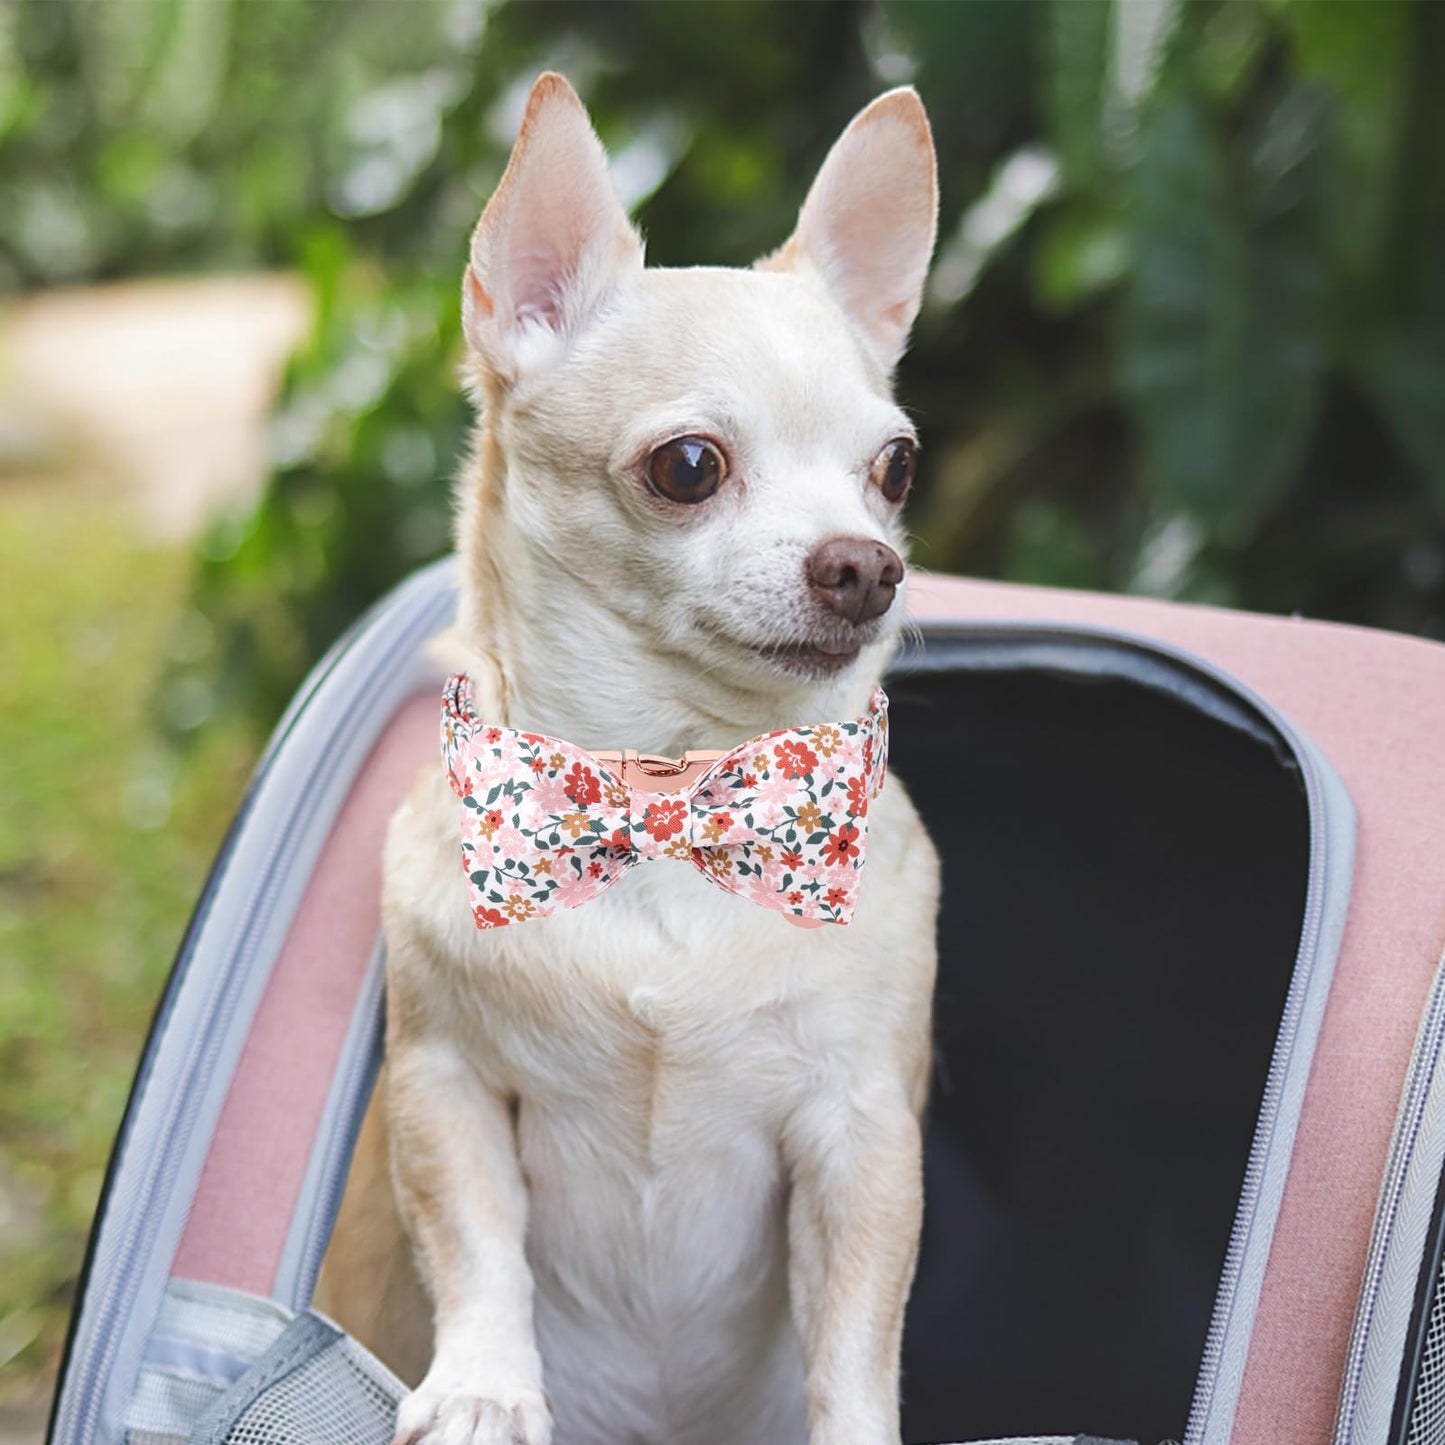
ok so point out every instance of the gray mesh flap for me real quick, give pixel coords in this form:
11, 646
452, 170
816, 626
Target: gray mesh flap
314, 1386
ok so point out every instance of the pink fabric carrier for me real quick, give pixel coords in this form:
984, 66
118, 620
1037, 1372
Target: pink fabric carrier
1187, 1131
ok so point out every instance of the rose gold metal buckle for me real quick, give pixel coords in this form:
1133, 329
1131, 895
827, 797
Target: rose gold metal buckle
656, 772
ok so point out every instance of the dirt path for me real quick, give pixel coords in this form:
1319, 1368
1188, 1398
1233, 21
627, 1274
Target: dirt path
159, 387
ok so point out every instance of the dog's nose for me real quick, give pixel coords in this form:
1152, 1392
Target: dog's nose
855, 576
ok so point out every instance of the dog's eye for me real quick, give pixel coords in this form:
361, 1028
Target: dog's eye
689, 469
894, 467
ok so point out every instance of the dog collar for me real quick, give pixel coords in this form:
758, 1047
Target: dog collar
781, 820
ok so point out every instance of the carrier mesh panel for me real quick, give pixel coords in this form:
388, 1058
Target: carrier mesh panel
335, 1398
1427, 1410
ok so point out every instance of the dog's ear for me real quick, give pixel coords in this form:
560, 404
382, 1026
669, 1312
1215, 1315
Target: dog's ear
553, 242
867, 228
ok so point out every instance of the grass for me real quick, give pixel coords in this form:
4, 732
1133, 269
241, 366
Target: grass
106, 834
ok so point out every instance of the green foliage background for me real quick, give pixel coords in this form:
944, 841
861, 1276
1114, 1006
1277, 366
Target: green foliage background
1186, 334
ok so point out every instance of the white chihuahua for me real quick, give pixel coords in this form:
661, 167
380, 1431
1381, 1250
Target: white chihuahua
659, 1157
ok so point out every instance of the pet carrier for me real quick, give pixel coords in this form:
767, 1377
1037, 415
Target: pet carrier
1186, 1138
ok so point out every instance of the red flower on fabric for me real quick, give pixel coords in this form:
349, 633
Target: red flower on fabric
750, 781
796, 760
836, 897
857, 796
665, 819
594, 870
795, 898
842, 846
619, 839
494, 817
539, 764
791, 858
493, 735
464, 784
582, 786
488, 917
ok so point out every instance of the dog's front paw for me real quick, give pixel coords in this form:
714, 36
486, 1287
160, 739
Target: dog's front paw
438, 1416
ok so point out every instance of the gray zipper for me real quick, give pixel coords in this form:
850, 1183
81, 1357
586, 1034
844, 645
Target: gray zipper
1398, 1240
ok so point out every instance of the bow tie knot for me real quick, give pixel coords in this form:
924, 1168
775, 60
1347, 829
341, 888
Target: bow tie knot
781, 820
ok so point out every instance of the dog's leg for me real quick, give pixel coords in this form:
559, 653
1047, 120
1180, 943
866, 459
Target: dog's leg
460, 1188
853, 1225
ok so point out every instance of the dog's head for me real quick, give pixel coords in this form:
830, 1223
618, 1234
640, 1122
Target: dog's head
701, 463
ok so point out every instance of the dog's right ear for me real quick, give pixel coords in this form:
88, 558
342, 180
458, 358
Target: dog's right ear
867, 227
553, 243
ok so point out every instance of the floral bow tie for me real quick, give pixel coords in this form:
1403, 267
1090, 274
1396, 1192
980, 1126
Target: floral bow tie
781, 820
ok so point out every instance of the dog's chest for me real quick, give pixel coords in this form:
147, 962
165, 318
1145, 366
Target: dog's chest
664, 1021
653, 1056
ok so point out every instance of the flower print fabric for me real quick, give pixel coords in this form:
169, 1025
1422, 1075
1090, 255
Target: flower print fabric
781, 821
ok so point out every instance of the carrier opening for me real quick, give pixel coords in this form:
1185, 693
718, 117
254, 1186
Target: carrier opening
1125, 874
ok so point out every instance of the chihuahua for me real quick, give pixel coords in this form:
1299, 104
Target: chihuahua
657, 1158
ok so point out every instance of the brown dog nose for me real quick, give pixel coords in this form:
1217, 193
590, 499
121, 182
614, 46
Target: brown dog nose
855, 576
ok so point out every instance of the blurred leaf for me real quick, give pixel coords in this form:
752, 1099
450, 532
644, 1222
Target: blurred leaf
1142, 32
1223, 343
1232, 43
1403, 373
1078, 35
1047, 546
1083, 250
1359, 52
1398, 346
1022, 183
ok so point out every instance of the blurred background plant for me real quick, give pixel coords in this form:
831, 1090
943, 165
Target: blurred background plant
1185, 337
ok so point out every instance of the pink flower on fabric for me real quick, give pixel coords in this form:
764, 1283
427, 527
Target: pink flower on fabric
583, 787
857, 797
777, 789
795, 760
769, 816
759, 891
507, 842
571, 890
665, 818
551, 795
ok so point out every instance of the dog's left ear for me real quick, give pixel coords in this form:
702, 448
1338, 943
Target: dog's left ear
867, 228
553, 244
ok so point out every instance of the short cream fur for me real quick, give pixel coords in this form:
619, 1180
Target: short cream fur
654, 1165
